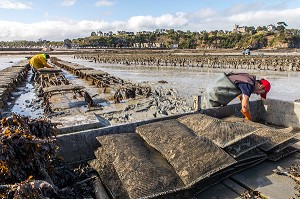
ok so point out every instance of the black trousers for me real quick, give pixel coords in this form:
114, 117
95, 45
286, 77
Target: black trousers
35, 75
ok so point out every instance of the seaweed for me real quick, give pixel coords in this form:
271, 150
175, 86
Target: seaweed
30, 166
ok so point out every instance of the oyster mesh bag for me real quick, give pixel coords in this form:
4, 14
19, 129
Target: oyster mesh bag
193, 157
143, 172
222, 133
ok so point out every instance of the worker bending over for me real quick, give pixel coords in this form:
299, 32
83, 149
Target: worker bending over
228, 86
39, 61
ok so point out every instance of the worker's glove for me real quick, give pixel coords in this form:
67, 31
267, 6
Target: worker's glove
247, 115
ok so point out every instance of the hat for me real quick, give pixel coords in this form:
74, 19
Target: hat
267, 87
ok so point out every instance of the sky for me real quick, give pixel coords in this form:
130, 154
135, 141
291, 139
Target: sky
56, 20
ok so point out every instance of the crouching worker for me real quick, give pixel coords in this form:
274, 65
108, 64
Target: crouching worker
228, 86
38, 61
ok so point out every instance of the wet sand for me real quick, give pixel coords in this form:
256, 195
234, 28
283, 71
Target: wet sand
186, 82
191, 81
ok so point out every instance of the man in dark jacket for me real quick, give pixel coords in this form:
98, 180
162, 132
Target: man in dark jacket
228, 86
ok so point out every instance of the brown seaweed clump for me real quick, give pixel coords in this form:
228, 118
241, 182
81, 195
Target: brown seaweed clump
252, 194
30, 166
294, 173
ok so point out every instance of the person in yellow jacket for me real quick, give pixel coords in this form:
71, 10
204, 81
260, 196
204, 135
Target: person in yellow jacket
39, 61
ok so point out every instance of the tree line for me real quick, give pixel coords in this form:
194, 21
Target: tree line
282, 38
253, 38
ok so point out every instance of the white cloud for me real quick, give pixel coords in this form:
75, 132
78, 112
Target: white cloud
203, 13
138, 23
290, 16
60, 29
104, 3
216, 20
10, 4
68, 3
243, 7
49, 30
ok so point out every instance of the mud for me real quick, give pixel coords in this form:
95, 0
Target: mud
191, 81
74, 110
174, 86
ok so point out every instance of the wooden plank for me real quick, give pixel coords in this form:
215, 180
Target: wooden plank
81, 68
49, 70
62, 88
72, 66
93, 72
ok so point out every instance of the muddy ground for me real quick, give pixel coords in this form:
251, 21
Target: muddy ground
69, 111
173, 89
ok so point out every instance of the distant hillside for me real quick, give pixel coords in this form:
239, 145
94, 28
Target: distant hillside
194, 40
286, 38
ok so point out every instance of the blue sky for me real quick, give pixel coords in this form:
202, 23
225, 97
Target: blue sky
56, 20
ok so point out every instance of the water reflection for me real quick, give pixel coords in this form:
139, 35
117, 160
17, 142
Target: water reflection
9, 60
26, 102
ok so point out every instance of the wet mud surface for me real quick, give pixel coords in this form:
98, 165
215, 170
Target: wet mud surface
190, 81
174, 88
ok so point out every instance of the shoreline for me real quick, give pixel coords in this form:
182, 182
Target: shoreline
146, 50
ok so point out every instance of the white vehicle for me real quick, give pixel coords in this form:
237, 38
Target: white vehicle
246, 52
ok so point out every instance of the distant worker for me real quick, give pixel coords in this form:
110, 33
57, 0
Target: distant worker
228, 86
38, 61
